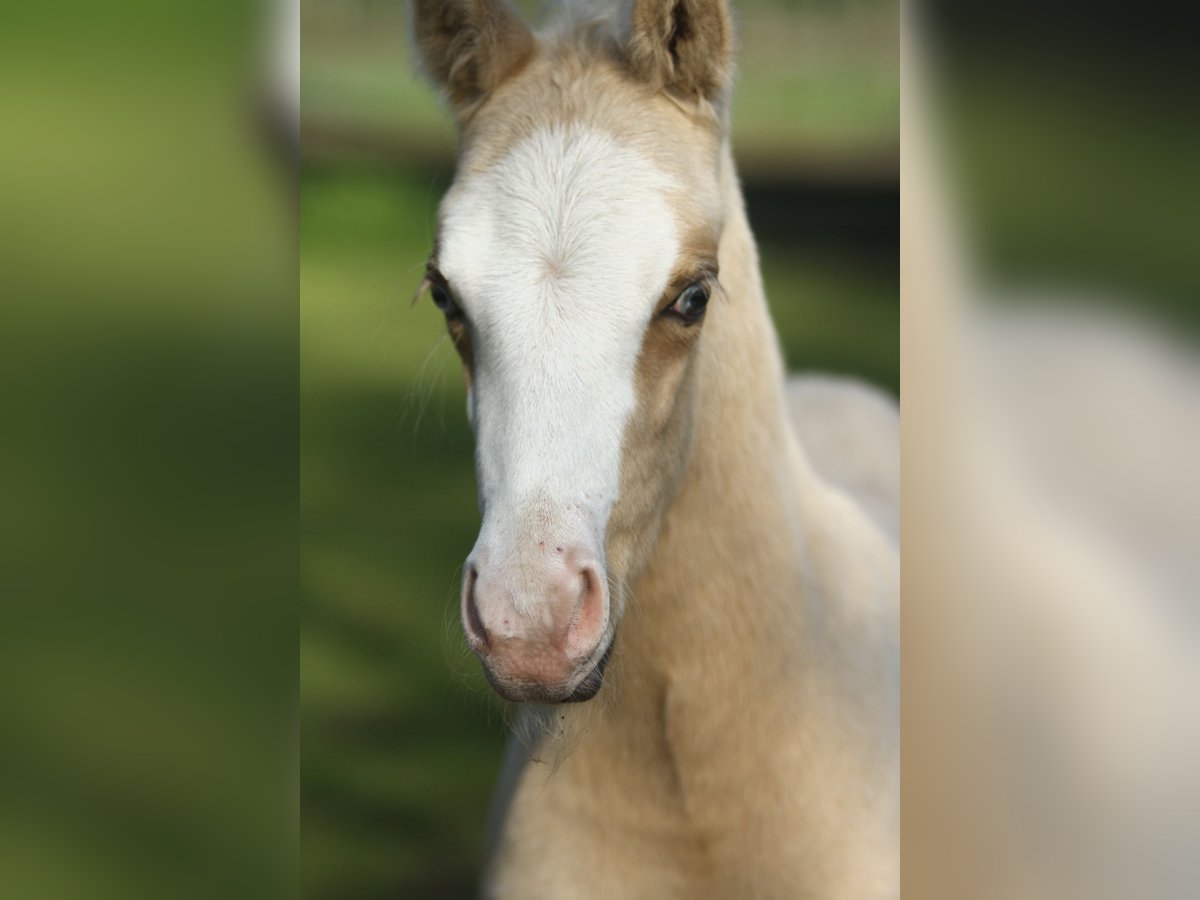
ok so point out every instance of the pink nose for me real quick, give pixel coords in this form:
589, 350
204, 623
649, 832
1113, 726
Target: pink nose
537, 625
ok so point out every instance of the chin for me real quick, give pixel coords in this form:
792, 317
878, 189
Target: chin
530, 692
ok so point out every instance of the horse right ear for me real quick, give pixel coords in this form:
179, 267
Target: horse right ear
467, 47
683, 46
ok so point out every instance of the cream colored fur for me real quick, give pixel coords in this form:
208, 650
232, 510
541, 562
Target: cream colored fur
851, 433
745, 742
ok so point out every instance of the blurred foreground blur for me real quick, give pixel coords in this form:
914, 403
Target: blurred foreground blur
1051, 516
148, 461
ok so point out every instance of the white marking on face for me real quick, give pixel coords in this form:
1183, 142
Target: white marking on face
557, 253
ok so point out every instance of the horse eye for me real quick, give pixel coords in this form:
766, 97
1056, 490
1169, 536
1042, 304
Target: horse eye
690, 304
442, 299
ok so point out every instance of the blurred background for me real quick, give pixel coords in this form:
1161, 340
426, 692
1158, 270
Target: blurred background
1066, 143
148, 464
401, 737
1051, 514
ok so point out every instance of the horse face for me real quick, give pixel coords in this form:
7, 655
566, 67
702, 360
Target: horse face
568, 289
575, 261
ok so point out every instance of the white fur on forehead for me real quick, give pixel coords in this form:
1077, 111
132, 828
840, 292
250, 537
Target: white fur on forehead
567, 205
558, 254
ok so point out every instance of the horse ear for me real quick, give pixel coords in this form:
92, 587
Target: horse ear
685, 46
469, 46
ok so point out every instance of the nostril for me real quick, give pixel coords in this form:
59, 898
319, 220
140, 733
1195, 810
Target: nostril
591, 612
473, 622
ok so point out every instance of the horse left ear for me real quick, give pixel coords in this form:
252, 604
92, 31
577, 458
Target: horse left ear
683, 46
469, 46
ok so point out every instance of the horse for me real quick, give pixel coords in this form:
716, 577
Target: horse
686, 574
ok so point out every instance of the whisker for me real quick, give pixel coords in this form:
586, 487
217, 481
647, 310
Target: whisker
422, 391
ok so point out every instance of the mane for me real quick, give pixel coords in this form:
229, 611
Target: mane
572, 16
598, 29
584, 26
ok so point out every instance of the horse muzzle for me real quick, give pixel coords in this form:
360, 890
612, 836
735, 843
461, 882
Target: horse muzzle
540, 625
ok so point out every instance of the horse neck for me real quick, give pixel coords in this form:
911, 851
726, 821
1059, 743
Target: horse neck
742, 426
720, 593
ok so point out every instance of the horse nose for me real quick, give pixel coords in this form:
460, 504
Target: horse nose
536, 623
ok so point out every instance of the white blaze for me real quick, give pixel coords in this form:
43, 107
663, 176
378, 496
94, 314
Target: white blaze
557, 254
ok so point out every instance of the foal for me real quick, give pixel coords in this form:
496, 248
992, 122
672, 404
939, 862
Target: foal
652, 530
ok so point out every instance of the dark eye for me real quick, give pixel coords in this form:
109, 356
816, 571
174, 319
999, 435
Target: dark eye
689, 305
442, 299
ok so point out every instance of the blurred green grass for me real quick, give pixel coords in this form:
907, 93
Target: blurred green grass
398, 735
